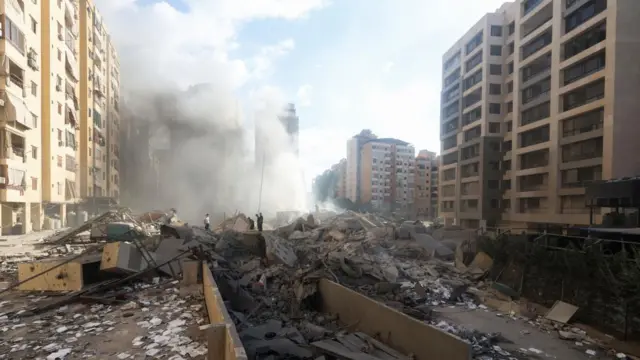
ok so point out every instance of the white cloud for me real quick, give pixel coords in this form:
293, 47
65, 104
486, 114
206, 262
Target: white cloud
304, 95
389, 66
160, 45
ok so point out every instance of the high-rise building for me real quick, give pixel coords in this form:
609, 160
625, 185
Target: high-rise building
99, 95
354, 145
43, 109
387, 175
538, 99
426, 188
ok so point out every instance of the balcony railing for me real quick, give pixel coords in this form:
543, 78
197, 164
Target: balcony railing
529, 5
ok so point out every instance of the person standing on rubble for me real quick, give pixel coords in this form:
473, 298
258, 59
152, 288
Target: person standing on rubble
260, 221
207, 222
252, 224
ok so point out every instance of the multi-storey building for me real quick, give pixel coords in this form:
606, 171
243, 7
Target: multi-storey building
354, 147
99, 81
387, 174
20, 126
557, 82
425, 203
341, 186
41, 111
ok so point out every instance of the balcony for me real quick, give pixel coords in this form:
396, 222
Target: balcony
452, 63
534, 137
472, 116
582, 150
583, 14
449, 143
534, 159
473, 62
70, 14
536, 113
470, 152
536, 44
71, 65
529, 5
451, 94
533, 205
15, 112
451, 110
469, 170
537, 20
449, 159
472, 80
532, 183
451, 79
583, 123
584, 68
586, 40
536, 67
473, 43
472, 134
472, 99
584, 95
536, 90
580, 177
449, 126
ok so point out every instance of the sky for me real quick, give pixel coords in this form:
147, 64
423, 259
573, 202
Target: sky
346, 64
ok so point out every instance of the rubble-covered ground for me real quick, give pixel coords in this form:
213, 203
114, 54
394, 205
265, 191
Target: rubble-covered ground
269, 283
161, 320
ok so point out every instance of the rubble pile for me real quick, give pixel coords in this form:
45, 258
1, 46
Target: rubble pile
128, 303
270, 289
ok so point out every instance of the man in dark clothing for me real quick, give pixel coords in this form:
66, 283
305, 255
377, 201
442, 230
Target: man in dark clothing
252, 225
260, 221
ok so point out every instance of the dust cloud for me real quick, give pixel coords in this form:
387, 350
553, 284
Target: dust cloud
204, 138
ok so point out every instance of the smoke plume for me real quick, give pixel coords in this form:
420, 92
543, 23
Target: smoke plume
204, 136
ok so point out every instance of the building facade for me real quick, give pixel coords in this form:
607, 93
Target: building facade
41, 113
354, 147
387, 174
425, 203
538, 99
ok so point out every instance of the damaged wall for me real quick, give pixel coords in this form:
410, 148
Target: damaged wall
605, 286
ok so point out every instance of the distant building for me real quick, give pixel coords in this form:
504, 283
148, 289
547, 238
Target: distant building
387, 174
354, 145
291, 124
426, 189
265, 149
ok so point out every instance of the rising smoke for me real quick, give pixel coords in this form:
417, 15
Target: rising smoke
206, 138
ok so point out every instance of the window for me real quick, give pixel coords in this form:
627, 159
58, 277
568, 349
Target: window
512, 28
34, 89
34, 152
495, 89
59, 188
59, 135
13, 34
34, 25
34, 120
59, 108
496, 30
495, 69
494, 108
509, 107
59, 161
59, 55
495, 50
510, 68
584, 13
509, 87
34, 183
59, 3
494, 127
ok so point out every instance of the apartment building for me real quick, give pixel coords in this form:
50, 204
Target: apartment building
425, 203
340, 169
354, 147
387, 169
20, 128
564, 94
99, 91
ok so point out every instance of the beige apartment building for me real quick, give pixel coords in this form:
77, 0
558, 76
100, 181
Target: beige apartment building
425, 202
340, 169
99, 96
387, 174
538, 99
41, 112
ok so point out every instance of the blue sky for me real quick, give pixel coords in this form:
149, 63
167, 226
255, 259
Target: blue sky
347, 64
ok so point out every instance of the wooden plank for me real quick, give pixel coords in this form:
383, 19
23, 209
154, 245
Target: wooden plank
191, 272
394, 328
340, 351
217, 342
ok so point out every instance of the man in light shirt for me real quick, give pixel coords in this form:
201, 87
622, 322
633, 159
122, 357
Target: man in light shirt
207, 222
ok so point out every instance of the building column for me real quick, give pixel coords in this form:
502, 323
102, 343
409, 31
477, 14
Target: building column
26, 218
36, 216
6, 216
63, 215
